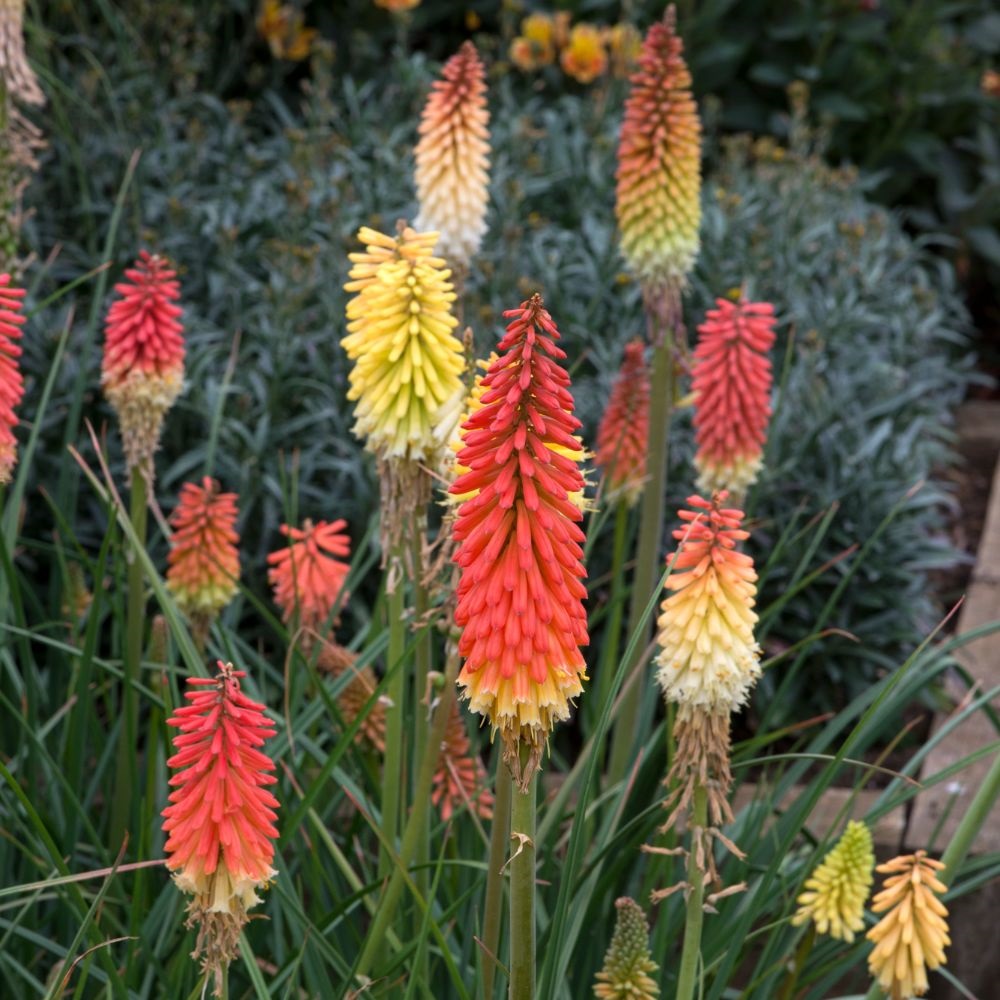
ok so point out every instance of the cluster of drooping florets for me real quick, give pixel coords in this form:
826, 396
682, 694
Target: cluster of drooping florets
460, 781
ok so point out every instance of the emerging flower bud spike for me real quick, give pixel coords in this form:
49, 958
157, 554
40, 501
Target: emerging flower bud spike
142, 373
628, 965
659, 165
453, 158
220, 821
835, 893
204, 559
913, 934
732, 390
520, 596
308, 575
11, 381
460, 781
624, 429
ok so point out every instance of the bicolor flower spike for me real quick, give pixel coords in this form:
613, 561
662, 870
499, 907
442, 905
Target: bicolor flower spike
835, 893
453, 158
408, 361
732, 390
460, 781
624, 429
659, 165
520, 595
16, 75
220, 820
913, 934
708, 657
628, 964
203, 565
308, 574
11, 381
142, 372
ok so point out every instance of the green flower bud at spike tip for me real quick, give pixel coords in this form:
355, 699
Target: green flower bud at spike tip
627, 965
836, 891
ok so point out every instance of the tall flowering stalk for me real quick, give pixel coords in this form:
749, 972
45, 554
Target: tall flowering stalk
453, 158
203, 565
11, 381
520, 594
912, 935
307, 576
732, 389
220, 820
658, 205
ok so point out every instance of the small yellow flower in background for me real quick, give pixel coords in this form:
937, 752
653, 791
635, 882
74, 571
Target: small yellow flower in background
584, 57
836, 891
627, 964
624, 45
536, 45
281, 26
912, 936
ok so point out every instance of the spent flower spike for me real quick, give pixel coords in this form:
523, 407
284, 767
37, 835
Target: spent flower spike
520, 595
731, 384
354, 699
628, 965
453, 158
460, 780
142, 372
624, 429
220, 820
912, 935
308, 574
16, 75
11, 381
835, 893
203, 564
659, 165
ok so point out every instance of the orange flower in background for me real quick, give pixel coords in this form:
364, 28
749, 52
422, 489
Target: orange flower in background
397, 6
584, 57
11, 382
16, 75
624, 428
732, 390
308, 575
989, 83
659, 165
461, 780
912, 936
520, 596
282, 27
142, 371
536, 45
453, 158
220, 820
204, 560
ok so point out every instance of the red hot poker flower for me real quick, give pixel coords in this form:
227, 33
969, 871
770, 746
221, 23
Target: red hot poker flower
309, 574
11, 382
461, 779
624, 428
732, 388
143, 368
520, 596
220, 821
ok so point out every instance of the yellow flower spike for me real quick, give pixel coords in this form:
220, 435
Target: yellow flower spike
628, 964
912, 936
835, 893
408, 361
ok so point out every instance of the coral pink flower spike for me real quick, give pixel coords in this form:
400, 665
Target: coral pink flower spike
11, 382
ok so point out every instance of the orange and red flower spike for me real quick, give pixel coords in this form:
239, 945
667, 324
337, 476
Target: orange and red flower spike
659, 165
453, 158
624, 429
143, 368
520, 596
308, 575
203, 565
732, 389
461, 779
220, 820
11, 382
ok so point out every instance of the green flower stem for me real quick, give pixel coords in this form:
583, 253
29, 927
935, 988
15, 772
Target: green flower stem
799, 963
135, 617
961, 840
414, 825
616, 604
522, 892
499, 836
393, 775
647, 559
687, 978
